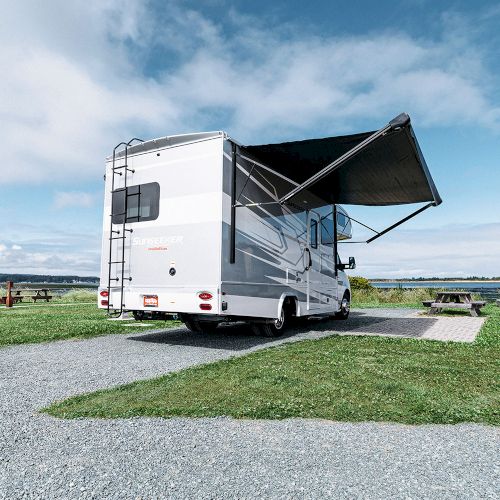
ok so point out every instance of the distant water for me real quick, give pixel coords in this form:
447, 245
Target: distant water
489, 290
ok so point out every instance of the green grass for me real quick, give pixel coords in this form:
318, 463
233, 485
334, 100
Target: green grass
336, 378
42, 323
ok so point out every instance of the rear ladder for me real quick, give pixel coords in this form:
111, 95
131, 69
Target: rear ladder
119, 235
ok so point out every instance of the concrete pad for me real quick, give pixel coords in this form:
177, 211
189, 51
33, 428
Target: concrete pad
410, 323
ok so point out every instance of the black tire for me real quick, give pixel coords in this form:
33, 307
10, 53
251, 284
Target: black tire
199, 326
274, 329
345, 307
138, 315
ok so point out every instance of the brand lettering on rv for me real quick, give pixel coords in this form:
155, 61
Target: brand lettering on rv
157, 242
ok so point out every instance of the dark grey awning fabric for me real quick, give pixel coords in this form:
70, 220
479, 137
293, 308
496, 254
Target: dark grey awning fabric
390, 170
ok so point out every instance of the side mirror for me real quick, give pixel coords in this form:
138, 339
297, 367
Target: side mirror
351, 265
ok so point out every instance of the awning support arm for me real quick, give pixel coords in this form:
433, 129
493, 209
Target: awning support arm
390, 228
232, 227
335, 240
364, 225
400, 121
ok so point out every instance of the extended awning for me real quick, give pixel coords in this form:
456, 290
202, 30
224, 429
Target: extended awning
379, 168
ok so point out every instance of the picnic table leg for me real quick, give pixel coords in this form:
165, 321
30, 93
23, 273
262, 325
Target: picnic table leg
474, 311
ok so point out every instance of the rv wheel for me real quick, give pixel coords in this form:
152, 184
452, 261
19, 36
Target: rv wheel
345, 307
274, 329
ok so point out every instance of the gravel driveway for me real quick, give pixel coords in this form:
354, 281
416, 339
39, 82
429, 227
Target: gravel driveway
43, 457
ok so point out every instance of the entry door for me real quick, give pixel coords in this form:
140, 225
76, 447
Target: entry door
328, 278
312, 258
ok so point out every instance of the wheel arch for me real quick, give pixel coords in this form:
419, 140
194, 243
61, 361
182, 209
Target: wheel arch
287, 297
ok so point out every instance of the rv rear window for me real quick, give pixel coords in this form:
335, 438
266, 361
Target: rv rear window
136, 203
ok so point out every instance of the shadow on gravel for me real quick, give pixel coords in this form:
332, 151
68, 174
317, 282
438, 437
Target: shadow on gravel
239, 337
233, 337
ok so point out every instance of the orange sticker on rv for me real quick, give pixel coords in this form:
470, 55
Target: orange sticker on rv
150, 300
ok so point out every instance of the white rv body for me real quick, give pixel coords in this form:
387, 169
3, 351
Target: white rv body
177, 241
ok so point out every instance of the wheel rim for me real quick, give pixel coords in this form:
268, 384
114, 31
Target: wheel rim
278, 323
345, 305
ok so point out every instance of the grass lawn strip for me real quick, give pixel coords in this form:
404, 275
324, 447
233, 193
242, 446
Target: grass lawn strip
21, 325
337, 378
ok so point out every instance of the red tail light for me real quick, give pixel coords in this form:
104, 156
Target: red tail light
104, 293
205, 307
205, 296
104, 302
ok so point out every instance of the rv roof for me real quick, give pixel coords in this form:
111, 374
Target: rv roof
166, 142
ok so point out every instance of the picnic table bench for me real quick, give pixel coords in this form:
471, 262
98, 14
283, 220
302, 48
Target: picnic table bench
454, 300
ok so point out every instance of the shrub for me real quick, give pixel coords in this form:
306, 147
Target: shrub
375, 296
360, 283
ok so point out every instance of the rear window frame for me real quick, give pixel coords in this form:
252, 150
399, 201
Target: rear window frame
122, 204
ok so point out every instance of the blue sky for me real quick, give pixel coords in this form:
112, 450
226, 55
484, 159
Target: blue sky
78, 77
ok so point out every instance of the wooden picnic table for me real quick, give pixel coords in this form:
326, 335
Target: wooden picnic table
454, 300
41, 294
17, 295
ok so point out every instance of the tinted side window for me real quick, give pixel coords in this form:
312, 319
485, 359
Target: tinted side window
342, 220
314, 234
136, 203
327, 230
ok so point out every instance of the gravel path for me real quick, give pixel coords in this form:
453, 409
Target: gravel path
43, 457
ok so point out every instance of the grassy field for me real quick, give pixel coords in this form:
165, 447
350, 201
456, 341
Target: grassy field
41, 323
337, 378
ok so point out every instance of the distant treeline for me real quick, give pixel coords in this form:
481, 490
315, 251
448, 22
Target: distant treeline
46, 278
469, 278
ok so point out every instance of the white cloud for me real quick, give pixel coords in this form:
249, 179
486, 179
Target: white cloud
50, 250
64, 199
454, 250
47, 262
74, 76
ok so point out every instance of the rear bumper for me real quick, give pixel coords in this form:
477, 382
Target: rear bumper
170, 300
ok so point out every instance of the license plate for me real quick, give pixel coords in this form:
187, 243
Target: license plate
150, 300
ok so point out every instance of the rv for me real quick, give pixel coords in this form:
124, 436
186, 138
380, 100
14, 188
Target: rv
201, 227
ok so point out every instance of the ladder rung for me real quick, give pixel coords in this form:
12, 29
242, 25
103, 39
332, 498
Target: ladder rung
123, 166
116, 232
129, 230
114, 215
116, 262
117, 237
